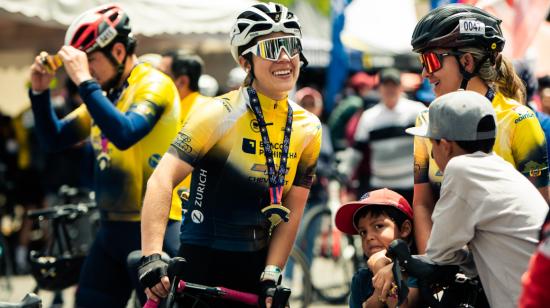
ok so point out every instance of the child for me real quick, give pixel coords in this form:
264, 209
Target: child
379, 217
485, 202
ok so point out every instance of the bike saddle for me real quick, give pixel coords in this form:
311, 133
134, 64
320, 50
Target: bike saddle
30, 300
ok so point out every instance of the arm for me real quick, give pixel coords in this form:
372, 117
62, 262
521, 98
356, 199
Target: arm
284, 234
53, 133
156, 205
423, 205
451, 213
423, 199
529, 151
123, 130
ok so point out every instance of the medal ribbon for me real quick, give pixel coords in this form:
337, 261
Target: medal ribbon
276, 177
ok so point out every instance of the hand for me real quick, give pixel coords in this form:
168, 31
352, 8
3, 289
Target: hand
40, 76
267, 291
383, 282
378, 261
153, 276
76, 64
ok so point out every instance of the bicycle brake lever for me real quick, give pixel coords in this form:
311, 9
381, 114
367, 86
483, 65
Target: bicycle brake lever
280, 298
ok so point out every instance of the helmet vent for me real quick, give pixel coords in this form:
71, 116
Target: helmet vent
259, 27
292, 25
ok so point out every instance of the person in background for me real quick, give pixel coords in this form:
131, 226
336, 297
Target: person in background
360, 85
129, 128
453, 58
235, 78
380, 135
312, 101
536, 279
185, 70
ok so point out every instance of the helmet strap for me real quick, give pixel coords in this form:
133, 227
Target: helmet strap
303, 60
466, 76
119, 67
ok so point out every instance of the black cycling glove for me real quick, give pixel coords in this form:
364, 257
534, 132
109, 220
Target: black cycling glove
267, 289
150, 271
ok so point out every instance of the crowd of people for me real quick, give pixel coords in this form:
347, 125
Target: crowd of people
458, 168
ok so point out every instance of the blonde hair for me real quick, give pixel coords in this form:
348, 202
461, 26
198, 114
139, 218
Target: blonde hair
500, 72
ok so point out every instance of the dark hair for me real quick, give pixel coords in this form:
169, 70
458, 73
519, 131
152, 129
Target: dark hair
378, 210
186, 64
486, 124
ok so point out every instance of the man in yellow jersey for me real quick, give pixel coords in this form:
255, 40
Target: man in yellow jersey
185, 70
130, 128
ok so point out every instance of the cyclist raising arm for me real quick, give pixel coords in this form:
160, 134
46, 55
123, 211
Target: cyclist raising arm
129, 128
253, 154
459, 46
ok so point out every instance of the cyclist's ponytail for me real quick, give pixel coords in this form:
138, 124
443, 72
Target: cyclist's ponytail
499, 71
508, 82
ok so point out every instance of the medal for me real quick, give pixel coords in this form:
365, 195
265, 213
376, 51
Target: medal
275, 212
103, 159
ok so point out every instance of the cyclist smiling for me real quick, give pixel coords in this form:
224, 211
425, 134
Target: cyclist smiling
253, 154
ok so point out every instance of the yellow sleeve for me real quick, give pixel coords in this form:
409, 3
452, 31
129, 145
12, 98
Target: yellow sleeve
203, 128
305, 171
421, 155
529, 149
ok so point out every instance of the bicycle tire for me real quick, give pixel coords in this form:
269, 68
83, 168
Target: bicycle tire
6, 287
302, 289
342, 265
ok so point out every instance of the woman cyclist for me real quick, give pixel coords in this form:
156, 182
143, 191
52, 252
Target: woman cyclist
253, 153
460, 48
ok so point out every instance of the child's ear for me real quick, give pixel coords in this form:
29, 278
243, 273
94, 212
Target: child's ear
406, 229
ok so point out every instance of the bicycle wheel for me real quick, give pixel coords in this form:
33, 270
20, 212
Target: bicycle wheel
333, 259
298, 280
6, 270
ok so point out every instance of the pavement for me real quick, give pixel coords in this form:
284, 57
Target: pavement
21, 285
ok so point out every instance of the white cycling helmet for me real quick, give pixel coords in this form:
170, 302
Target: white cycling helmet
261, 19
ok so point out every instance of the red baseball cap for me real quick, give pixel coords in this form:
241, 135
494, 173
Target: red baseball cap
345, 216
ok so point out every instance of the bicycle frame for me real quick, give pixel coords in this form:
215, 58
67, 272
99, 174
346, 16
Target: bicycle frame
211, 292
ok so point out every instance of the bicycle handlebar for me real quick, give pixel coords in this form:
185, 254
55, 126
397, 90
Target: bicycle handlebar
218, 292
62, 211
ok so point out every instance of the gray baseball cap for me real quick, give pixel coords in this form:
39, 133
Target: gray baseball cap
455, 116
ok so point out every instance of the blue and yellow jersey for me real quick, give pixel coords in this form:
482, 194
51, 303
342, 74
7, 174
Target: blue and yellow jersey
229, 186
121, 175
520, 141
181, 192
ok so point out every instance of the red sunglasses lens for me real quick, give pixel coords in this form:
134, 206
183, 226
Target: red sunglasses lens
431, 62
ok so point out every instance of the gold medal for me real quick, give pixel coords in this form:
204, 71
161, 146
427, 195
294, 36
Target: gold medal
276, 213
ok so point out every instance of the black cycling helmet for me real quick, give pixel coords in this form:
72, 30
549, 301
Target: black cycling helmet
458, 25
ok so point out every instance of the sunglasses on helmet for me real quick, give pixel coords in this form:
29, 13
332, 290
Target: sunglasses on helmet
270, 49
433, 62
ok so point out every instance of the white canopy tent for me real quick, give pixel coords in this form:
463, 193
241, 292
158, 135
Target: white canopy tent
148, 17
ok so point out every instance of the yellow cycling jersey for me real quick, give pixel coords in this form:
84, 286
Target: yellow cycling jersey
121, 175
181, 192
229, 186
520, 140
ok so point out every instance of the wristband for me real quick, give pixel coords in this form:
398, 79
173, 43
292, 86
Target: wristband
271, 272
86, 82
150, 258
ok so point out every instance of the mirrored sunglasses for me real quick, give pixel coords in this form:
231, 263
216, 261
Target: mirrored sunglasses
433, 62
270, 49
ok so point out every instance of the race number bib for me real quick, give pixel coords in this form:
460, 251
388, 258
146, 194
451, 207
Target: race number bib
471, 26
